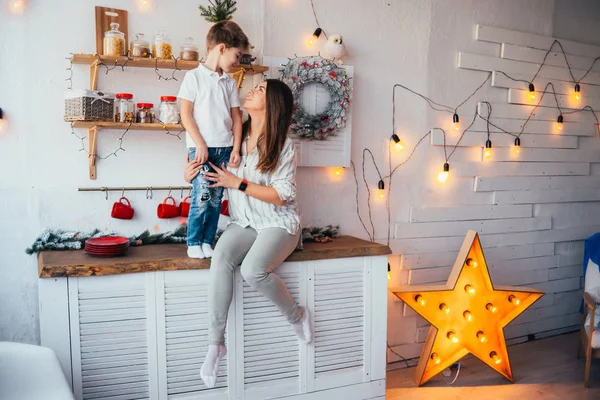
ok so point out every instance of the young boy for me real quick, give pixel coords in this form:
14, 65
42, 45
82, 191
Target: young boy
210, 112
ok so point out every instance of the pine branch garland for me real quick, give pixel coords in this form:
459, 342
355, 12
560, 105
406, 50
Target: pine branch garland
69, 240
317, 234
218, 10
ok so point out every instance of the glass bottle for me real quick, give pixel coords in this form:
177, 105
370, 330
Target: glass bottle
189, 51
139, 47
124, 108
167, 110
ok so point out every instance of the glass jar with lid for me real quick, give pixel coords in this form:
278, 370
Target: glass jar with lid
167, 110
144, 113
114, 41
124, 108
139, 47
189, 51
161, 47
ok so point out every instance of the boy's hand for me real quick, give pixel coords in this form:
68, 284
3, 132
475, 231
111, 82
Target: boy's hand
201, 153
234, 159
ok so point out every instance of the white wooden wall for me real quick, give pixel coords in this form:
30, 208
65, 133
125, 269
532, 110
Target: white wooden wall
333, 152
529, 235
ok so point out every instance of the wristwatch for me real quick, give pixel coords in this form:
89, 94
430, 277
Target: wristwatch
243, 185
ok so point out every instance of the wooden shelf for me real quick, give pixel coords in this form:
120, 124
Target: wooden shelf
124, 125
94, 127
93, 60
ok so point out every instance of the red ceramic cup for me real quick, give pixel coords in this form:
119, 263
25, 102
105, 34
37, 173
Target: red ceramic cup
166, 210
184, 207
225, 207
121, 210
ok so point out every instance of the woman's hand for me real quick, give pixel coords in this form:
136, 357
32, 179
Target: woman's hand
192, 169
222, 177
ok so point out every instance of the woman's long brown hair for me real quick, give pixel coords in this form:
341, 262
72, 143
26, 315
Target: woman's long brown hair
279, 105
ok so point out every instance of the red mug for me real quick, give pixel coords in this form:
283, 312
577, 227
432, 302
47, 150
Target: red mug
121, 210
184, 207
166, 210
225, 208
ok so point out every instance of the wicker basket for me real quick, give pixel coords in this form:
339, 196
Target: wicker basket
89, 105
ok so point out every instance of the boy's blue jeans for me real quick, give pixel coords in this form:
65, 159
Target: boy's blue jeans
205, 206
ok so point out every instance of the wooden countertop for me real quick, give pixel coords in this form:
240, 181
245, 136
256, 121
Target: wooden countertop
171, 257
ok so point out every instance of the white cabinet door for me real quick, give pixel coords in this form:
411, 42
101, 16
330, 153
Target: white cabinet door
182, 318
270, 350
113, 337
341, 324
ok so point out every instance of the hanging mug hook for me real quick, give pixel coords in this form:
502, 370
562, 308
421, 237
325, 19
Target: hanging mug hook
182, 192
148, 193
169, 195
105, 193
123, 193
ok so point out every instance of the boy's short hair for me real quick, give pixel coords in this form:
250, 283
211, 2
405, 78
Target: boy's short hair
229, 33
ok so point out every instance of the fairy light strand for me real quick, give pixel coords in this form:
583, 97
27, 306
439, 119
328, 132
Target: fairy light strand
447, 109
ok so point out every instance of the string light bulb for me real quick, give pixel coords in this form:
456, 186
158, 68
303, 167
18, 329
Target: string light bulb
452, 336
491, 308
381, 189
315, 36
17, 6
389, 276
531, 92
435, 358
444, 308
469, 289
517, 145
443, 175
481, 337
144, 5
456, 122
488, 149
513, 299
494, 356
398, 143
577, 92
471, 263
468, 316
419, 299
559, 122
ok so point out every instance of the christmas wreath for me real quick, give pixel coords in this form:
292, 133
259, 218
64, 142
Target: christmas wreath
301, 71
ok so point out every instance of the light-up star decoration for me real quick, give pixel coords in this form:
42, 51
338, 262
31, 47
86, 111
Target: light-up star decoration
467, 315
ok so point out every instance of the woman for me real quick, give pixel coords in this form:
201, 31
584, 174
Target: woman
264, 228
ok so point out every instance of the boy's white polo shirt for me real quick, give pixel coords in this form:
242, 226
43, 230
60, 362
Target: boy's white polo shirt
213, 96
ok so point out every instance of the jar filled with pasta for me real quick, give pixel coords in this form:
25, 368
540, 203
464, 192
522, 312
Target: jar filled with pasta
161, 47
124, 108
114, 41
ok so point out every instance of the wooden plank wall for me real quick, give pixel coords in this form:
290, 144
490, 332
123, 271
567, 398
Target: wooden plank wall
544, 200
